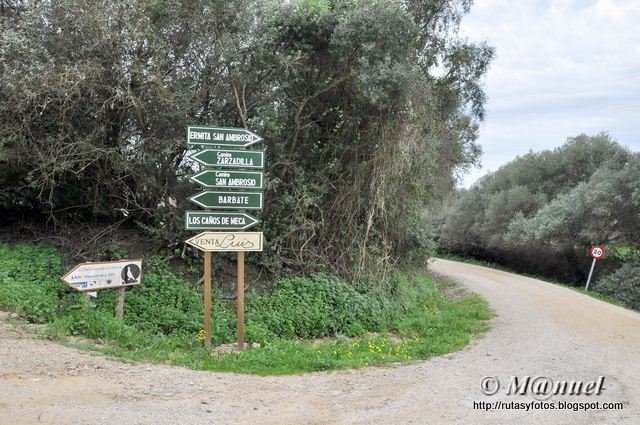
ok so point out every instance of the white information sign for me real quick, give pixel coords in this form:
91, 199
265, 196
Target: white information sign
87, 277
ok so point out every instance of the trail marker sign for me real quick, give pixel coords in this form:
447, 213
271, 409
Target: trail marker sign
232, 169
229, 179
228, 200
227, 241
209, 220
88, 277
221, 136
229, 158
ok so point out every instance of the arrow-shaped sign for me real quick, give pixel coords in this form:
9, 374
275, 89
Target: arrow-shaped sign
228, 200
224, 179
221, 136
227, 158
111, 274
227, 241
208, 220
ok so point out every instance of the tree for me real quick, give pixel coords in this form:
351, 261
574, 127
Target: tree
541, 212
95, 98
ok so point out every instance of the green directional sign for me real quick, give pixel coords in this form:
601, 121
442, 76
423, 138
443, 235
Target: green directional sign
221, 136
227, 158
224, 179
208, 220
228, 200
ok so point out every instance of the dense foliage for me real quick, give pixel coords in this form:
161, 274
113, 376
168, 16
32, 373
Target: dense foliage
164, 317
623, 285
541, 212
367, 107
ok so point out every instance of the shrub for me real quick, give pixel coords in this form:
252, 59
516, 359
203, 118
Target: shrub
314, 307
623, 285
29, 282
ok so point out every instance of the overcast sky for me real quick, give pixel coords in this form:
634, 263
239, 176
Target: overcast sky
563, 67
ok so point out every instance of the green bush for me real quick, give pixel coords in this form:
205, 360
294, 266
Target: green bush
30, 282
164, 316
622, 285
315, 307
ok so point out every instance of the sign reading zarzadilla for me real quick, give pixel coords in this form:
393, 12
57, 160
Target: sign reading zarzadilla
221, 136
227, 158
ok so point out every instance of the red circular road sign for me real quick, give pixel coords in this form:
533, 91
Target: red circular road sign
596, 252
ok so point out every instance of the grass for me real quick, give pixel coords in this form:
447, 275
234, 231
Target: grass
425, 331
308, 324
581, 290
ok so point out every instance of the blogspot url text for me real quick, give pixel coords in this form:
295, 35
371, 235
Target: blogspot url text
545, 405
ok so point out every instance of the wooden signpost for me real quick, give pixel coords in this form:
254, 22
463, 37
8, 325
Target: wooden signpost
90, 277
231, 171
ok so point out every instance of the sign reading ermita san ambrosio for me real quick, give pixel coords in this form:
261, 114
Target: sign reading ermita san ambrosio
221, 136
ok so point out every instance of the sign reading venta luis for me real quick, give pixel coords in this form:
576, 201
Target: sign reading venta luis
221, 136
222, 241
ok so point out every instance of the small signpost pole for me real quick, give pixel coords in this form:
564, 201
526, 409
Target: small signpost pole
207, 299
120, 304
596, 252
240, 300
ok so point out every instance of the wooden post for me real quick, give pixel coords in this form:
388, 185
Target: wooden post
207, 299
120, 304
85, 301
240, 300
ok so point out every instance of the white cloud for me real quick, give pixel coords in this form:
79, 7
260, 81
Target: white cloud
563, 68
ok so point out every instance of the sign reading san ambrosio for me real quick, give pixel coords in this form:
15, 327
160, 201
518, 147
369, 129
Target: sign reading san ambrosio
228, 179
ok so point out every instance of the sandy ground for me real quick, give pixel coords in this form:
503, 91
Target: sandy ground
540, 330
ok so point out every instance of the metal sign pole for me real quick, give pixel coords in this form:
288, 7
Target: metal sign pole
586, 288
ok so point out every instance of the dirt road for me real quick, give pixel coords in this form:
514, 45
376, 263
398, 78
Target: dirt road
541, 330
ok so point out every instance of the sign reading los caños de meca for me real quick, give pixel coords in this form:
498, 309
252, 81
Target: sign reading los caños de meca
221, 136
211, 220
